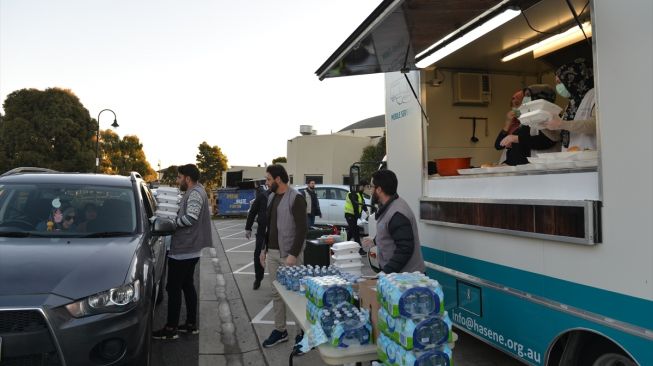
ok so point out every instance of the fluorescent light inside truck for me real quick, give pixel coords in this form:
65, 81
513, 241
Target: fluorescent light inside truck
469, 37
553, 43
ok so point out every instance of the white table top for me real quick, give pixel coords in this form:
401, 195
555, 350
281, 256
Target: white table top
331, 355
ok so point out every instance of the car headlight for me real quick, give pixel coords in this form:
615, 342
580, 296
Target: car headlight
115, 300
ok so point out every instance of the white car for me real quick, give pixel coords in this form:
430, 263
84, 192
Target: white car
332, 203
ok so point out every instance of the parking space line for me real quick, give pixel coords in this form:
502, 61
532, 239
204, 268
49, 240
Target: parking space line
258, 319
238, 246
224, 228
230, 235
243, 267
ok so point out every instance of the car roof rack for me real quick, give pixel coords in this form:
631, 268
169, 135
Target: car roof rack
135, 175
27, 169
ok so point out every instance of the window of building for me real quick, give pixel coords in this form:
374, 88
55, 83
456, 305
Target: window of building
317, 178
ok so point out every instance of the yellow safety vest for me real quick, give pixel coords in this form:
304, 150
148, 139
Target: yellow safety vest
349, 206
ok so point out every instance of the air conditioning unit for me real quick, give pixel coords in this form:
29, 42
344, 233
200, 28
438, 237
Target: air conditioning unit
471, 89
306, 130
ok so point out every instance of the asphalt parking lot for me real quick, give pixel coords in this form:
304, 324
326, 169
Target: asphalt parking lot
235, 319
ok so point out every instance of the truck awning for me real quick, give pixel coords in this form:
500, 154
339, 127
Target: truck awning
398, 34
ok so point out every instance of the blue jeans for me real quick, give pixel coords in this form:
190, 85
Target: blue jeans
311, 220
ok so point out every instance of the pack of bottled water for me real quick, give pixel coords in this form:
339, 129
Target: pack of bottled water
327, 318
390, 353
328, 291
411, 295
354, 331
294, 278
420, 334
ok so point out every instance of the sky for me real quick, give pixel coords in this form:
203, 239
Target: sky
239, 75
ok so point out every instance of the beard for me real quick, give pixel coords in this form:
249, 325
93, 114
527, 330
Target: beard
183, 186
274, 186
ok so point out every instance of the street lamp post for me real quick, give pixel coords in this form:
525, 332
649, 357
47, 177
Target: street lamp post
97, 140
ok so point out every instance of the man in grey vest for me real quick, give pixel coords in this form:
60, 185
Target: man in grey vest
193, 233
396, 238
286, 234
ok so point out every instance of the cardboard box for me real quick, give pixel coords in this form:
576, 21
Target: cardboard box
368, 301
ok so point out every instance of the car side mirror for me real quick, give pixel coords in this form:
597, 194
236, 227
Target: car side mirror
163, 226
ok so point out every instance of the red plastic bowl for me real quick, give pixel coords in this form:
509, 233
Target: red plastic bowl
450, 166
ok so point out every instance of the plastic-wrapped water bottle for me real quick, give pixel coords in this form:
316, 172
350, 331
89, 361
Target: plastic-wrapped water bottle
410, 300
425, 304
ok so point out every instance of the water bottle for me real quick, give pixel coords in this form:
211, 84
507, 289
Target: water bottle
424, 303
410, 300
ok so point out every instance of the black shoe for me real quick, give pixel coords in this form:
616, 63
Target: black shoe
165, 333
275, 338
362, 252
257, 284
189, 329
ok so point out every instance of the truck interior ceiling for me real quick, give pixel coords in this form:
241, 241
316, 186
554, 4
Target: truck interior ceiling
467, 94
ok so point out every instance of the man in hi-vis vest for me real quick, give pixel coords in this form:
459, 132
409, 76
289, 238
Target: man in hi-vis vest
354, 207
396, 238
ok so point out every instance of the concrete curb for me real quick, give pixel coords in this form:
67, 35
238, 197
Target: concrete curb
227, 336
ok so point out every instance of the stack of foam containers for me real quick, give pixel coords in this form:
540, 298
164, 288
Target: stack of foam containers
346, 258
167, 199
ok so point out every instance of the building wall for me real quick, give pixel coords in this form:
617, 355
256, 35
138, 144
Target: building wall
449, 136
249, 172
327, 155
364, 132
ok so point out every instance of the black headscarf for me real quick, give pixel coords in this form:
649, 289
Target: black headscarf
578, 78
542, 91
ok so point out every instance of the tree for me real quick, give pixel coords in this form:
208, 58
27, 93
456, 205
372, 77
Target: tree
169, 176
48, 129
372, 155
124, 156
211, 163
281, 159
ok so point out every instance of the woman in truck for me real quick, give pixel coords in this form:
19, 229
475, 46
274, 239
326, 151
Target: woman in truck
517, 139
575, 81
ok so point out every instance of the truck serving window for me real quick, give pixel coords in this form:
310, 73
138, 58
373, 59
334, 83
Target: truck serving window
512, 126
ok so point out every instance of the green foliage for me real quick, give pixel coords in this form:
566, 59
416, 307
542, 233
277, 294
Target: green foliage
281, 159
49, 129
211, 163
372, 155
169, 176
124, 156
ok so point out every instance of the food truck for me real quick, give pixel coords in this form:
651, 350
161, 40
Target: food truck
551, 261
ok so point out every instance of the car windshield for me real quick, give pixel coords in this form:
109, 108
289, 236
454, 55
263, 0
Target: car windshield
66, 210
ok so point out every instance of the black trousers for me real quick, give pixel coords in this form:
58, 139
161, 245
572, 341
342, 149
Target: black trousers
258, 268
181, 278
352, 228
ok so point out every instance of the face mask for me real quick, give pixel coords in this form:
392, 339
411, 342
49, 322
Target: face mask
560, 88
526, 100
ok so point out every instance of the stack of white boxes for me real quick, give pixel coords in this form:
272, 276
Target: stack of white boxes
346, 258
167, 199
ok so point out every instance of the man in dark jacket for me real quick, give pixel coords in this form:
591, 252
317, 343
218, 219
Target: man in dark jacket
396, 238
312, 203
258, 211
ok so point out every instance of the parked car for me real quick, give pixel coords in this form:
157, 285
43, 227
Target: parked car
75, 291
332, 203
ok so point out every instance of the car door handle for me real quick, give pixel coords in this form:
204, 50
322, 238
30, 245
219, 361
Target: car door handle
333, 204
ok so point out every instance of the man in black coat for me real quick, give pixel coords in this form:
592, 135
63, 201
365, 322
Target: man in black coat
312, 203
258, 211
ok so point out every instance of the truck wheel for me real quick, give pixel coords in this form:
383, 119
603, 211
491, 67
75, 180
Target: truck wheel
613, 359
